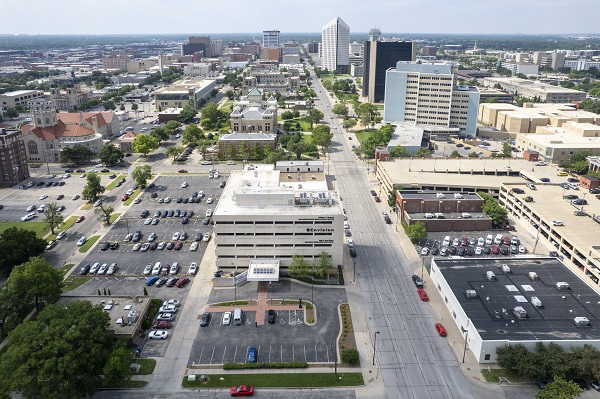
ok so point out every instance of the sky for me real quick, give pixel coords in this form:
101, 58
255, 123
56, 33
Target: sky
241, 16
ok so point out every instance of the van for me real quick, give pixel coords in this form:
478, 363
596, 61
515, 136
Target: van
237, 316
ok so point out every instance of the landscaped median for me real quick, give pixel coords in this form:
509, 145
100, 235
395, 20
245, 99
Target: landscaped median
132, 197
88, 244
284, 380
114, 182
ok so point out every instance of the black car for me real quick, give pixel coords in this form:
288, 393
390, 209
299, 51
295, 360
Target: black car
572, 180
161, 281
105, 171
352, 251
170, 214
204, 319
61, 208
596, 385
186, 200
177, 213
518, 191
145, 214
222, 184
154, 195
580, 202
198, 237
61, 183
581, 383
417, 281
153, 246
544, 179
170, 245
151, 185
185, 221
504, 251
104, 246
271, 316
545, 381
179, 200
85, 269
595, 191
373, 193
69, 170
435, 251
114, 245
219, 273
164, 214
453, 250
570, 197
461, 251
487, 250
205, 221
113, 176
470, 251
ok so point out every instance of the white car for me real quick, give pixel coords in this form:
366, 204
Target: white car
446, 241
206, 163
209, 200
103, 268
478, 251
226, 318
184, 184
148, 221
168, 309
194, 246
208, 213
137, 247
156, 268
27, 217
480, 242
230, 163
144, 247
152, 237
171, 302
489, 239
175, 236
540, 163
148, 269
507, 167
61, 235
206, 237
31, 208
167, 200
81, 241
350, 243
425, 251
43, 196
155, 334
97, 203
522, 249
193, 268
557, 223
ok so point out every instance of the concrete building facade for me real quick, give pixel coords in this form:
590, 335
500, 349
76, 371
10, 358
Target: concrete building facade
70, 99
185, 92
13, 158
20, 97
252, 114
230, 145
271, 38
533, 89
335, 44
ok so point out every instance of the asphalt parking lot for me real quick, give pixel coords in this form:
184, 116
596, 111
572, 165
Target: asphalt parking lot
289, 339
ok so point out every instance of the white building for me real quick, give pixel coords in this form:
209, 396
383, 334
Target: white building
273, 214
581, 64
271, 38
335, 42
19, 97
197, 69
521, 67
424, 93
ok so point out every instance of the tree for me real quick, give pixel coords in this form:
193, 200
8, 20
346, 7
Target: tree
559, 389
230, 152
322, 136
455, 154
117, 367
105, 214
350, 356
144, 144
349, 123
171, 127
109, 105
53, 217
11, 113
93, 189
300, 147
243, 151
77, 154
36, 281
192, 135
211, 112
473, 154
392, 198
493, 210
134, 107
299, 266
142, 174
17, 246
287, 115
340, 110
255, 151
322, 264
416, 232
60, 354
160, 134
422, 153
110, 154
187, 114
506, 150
399, 152
366, 112
313, 116
174, 151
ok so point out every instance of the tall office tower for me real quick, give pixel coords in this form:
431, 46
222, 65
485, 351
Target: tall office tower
216, 48
196, 44
425, 93
270, 38
13, 158
378, 58
558, 60
374, 35
335, 42
429, 51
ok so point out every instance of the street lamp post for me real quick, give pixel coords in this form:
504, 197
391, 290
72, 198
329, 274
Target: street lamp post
375, 342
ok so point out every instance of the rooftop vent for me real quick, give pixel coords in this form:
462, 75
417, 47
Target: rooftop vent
490, 276
440, 195
561, 285
471, 294
457, 195
535, 301
581, 321
520, 312
532, 276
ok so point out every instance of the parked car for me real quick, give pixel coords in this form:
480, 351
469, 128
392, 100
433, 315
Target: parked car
204, 319
242, 390
193, 268
182, 282
162, 324
226, 318
422, 294
440, 329
252, 355
417, 281
271, 316
158, 335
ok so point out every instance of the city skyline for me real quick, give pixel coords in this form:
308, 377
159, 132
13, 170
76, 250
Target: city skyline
414, 16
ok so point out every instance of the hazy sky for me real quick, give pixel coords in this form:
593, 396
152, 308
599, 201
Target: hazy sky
231, 16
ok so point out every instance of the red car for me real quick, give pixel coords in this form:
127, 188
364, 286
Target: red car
182, 282
242, 390
182, 171
422, 294
495, 250
163, 325
60, 196
463, 241
80, 219
178, 245
377, 199
125, 197
440, 329
79, 170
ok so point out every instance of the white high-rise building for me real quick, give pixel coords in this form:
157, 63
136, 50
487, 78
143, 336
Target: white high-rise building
335, 44
271, 38
425, 94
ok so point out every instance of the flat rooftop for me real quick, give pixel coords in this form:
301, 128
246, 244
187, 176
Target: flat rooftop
491, 312
433, 196
561, 138
548, 204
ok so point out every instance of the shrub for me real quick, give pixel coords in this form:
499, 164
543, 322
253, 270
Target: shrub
350, 356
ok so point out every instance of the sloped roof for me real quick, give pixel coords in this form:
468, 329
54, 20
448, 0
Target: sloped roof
57, 131
74, 117
255, 92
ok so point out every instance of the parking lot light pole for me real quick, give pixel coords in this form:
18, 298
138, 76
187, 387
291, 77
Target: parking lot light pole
375, 342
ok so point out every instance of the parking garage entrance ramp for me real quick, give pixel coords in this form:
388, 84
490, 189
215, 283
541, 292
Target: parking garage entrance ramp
263, 270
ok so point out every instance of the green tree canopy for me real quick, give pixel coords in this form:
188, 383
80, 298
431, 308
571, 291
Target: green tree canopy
11, 113
321, 136
423, 153
141, 175
60, 354
192, 135
416, 232
110, 154
300, 147
340, 109
171, 127
117, 367
187, 114
35, 281
53, 217
399, 152
93, 189
77, 154
17, 246
211, 112
174, 151
299, 266
313, 116
105, 212
144, 144
322, 264
160, 134
559, 389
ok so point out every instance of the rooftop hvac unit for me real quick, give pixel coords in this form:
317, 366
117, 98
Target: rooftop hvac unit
581, 321
561, 285
303, 198
532, 276
535, 301
323, 199
520, 312
505, 268
471, 294
132, 316
457, 195
440, 195
490, 276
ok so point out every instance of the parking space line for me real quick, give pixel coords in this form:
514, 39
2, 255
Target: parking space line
327, 349
293, 356
234, 354
224, 351
212, 355
200, 358
258, 353
304, 352
316, 354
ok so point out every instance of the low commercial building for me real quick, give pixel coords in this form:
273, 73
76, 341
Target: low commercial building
442, 211
126, 142
267, 214
533, 89
20, 97
485, 94
559, 223
521, 67
185, 92
410, 136
509, 301
13, 158
230, 145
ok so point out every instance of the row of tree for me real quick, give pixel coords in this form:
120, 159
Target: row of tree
318, 268
493, 210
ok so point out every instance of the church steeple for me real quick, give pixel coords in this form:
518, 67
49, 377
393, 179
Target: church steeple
43, 113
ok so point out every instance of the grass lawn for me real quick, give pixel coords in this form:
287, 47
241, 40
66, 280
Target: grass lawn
113, 183
88, 244
133, 196
291, 123
363, 135
114, 217
347, 97
330, 77
494, 374
73, 282
87, 206
295, 380
40, 228
64, 270
146, 366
